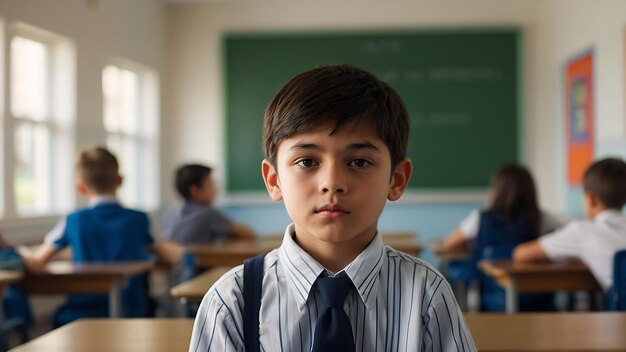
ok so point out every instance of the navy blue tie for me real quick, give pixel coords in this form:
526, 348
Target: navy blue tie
333, 331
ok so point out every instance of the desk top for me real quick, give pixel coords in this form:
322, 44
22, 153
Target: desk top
438, 249
9, 276
541, 276
63, 267
231, 253
137, 335
506, 267
195, 288
549, 332
538, 332
66, 277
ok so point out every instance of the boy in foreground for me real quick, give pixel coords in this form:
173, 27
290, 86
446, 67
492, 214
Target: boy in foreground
335, 141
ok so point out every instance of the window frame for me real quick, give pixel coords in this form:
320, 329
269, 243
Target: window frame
146, 141
60, 122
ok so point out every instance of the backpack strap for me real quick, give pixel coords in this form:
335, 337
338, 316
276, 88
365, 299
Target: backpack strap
252, 290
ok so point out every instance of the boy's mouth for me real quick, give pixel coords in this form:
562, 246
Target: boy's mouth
332, 211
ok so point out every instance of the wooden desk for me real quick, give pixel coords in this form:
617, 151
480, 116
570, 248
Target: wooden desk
234, 253
406, 242
446, 256
137, 335
230, 253
194, 289
542, 332
63, 277
9, 277
528, 332
536, 277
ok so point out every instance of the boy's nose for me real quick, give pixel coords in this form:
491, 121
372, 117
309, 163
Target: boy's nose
337, 189
333, 181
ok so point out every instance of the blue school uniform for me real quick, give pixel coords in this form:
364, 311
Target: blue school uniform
15, 303
105, 232
497, 236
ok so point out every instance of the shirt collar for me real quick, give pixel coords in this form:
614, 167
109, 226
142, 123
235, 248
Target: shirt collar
607, 214
98, 200
191, 206
302, 270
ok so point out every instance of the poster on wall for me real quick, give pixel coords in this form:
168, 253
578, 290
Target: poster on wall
579, 99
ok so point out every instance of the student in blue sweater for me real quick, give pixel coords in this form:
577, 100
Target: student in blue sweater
104, 231
512, 217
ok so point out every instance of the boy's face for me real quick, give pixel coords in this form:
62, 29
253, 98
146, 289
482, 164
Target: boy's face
206, 192
335, 186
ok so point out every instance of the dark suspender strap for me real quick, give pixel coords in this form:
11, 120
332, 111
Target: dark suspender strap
252, 285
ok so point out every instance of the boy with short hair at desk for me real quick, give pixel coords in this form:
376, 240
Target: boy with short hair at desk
198, 221
104, 231
594, 241
335, 140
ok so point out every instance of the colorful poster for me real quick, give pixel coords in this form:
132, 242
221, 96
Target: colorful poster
579, 98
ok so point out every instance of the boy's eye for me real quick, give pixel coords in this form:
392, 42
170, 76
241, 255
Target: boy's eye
306, 163
360, 163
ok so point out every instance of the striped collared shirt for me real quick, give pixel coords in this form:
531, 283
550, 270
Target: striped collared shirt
400, 304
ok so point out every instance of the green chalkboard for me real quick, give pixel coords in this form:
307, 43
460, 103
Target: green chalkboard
460, 87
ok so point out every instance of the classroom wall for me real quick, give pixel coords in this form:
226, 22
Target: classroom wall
574, 27
101, 31
182, 43
553, 32
194, 106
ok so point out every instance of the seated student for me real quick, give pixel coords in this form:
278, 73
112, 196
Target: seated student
512, 217
105, 231
16, 307
594, 241
335, 141
198, 221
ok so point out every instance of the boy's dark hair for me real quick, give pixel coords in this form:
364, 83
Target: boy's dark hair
98, 169
190, 175
513, 192
606, 179
342, 95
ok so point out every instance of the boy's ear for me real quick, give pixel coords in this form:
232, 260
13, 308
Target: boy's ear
193, 192
272, 183
400, 179
593, 201
81, 188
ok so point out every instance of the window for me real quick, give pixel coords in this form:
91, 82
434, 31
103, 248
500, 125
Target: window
40, 82
131, 122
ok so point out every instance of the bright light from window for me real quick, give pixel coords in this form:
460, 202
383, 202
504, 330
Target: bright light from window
29, 79
130, 122
41, 94
32, 168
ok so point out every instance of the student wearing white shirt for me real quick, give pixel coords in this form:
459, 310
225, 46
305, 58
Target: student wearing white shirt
335, 141
594, 241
